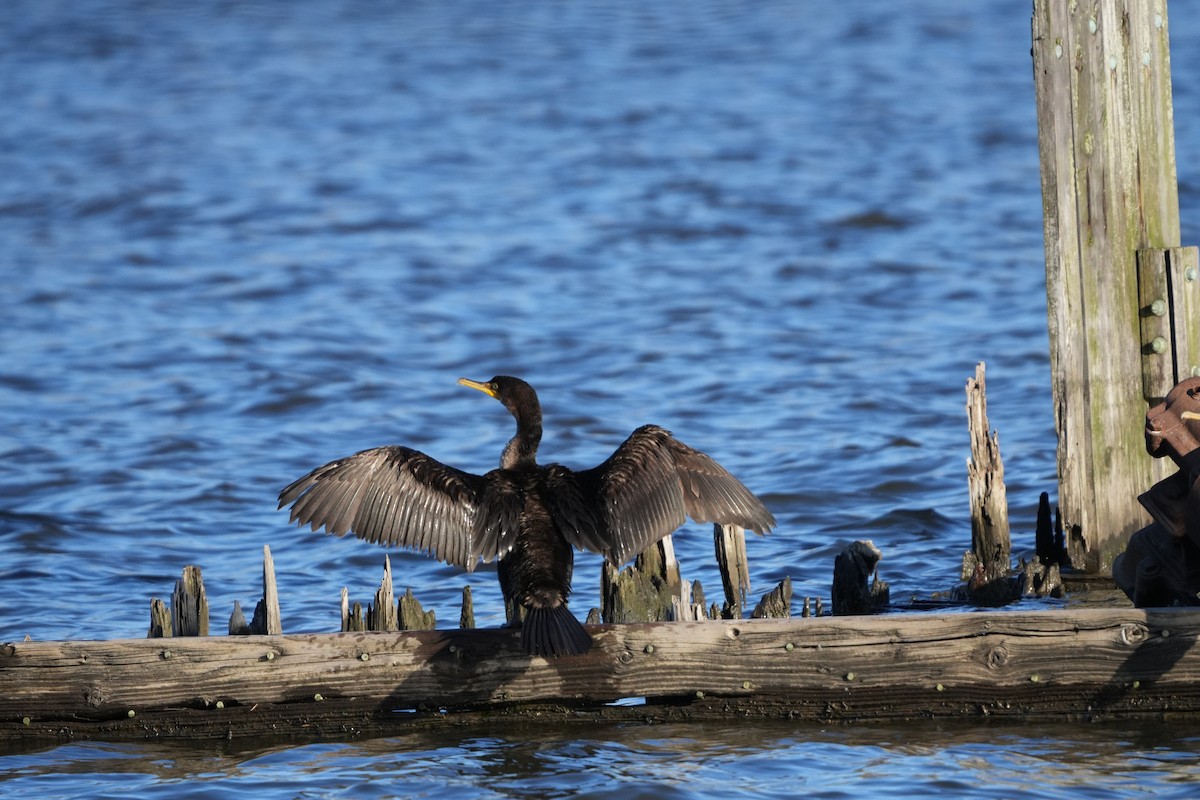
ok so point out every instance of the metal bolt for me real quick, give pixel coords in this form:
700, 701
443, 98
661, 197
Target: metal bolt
1092, 26
1112, 62
849, 676
1146, 58
1189, 274
1158, 308
270, 655
1159, 345
1165, 633
220, 704
1034, 678
367, 656
167, 654
789, 647
699, 695
745, 684
1058, 50
648, 649
26, 721
132, 713
941, 688
318, 697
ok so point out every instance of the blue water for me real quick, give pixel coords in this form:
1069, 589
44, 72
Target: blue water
244, 239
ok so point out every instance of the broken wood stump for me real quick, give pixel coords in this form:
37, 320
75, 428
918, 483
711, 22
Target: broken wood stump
985, 478
851, 592
730, 544
352, 617
646, 591
466, 619
775, 604
411, 616
266, 612
189, 607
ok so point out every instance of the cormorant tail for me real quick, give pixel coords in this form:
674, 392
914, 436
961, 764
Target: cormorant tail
553, 632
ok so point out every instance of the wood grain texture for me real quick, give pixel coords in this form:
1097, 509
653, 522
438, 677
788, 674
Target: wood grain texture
1106, 142
1075, 662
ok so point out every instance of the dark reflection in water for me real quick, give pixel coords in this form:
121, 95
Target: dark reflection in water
243, 239
753, 759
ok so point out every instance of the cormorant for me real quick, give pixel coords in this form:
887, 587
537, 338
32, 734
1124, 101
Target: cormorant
526, 514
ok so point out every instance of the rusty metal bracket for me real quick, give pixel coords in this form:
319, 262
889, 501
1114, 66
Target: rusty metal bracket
1168, 308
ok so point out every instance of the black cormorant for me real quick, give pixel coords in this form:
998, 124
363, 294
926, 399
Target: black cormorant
526, 514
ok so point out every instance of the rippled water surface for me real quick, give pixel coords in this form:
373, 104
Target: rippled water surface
244, 239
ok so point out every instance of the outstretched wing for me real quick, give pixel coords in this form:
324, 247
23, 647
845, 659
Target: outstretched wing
643, 491
400, 497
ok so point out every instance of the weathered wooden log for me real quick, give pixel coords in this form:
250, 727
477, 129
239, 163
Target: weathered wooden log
730, 544
852, 569
189, 604
1123, 662
412, 616
985, 480
775, 604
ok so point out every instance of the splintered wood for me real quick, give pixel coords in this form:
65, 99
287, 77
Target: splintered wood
985, 477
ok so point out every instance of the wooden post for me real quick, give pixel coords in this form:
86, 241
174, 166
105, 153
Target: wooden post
1105, 135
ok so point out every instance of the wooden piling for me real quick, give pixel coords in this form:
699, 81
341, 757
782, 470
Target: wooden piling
1106, 141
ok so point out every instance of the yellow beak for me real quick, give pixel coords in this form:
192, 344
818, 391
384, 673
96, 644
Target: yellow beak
486, 388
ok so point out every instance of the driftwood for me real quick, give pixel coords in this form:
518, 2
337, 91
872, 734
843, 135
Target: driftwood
1123, 662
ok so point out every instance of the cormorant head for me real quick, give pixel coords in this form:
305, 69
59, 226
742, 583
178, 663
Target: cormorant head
517, 396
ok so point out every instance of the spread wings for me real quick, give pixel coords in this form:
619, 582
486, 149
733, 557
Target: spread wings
643, 491
400, 497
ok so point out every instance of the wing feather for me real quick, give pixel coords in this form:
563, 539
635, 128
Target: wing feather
397, 497
645, 490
